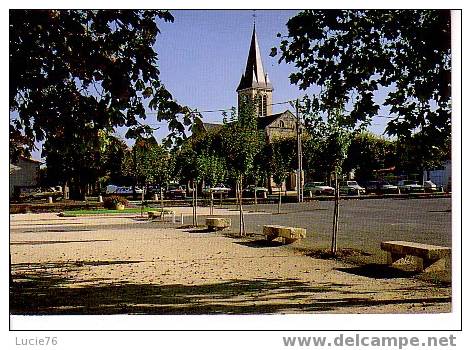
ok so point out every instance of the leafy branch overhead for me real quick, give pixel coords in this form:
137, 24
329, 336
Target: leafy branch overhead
70, 68
352, 54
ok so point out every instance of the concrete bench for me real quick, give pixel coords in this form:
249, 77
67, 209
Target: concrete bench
154, 214
217, 224
429, 254
287, 234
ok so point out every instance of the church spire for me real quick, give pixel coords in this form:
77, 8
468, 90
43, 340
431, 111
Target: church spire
254, 76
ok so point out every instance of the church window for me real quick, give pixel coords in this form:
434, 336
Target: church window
264, 99
260, 106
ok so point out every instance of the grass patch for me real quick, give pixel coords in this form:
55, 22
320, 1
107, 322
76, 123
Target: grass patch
72, 213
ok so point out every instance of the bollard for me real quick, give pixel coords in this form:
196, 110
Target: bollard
264, 195
49, 200
310, 194
181, 218
100, 199
156, 197
173, 217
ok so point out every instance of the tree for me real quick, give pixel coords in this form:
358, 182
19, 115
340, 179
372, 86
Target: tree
333, 140
93, 69
148, 162
241, 143
352, 54
75, 159
368, 152
283, 159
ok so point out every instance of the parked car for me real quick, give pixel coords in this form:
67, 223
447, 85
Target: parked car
351, 188
410, 186
122, 190
380, 187
318, 188
175, 192
249, 191
429, 186
216, 190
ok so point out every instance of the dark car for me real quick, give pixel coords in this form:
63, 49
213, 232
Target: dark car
380, 187
175, 192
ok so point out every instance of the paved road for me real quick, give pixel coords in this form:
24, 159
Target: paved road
363, 223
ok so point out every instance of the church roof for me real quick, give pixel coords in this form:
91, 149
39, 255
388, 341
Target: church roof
254, 76
263, 122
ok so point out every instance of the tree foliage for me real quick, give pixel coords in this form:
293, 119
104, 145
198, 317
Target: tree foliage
352, 54
368, 152
71, 68
242, 140
283, 158
148, 162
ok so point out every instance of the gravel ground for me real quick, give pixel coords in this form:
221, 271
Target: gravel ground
128, 265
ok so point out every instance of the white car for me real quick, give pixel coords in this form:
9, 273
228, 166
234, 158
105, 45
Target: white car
429, 186
318, 188
112, 189
216, 190
351, 188
410, 186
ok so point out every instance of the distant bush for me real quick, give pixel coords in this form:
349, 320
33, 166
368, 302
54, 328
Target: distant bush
112, 201
19, 208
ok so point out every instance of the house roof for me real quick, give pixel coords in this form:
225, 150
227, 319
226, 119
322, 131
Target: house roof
212, 126
30, 160
254, 76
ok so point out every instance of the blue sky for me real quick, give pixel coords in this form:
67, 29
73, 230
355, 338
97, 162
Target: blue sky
202, 55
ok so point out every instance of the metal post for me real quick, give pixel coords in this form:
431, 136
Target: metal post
300, 157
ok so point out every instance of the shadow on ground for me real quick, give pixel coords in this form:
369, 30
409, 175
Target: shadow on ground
260, 243
59, 242
42, 292
378, 271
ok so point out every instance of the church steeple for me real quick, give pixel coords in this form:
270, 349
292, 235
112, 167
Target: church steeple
254, 82
254, 76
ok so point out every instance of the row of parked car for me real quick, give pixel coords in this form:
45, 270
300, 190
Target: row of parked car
175, 191
370, 187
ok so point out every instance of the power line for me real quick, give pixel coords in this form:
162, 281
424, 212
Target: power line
230, 109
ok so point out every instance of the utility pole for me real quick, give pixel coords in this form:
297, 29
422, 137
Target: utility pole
299, 182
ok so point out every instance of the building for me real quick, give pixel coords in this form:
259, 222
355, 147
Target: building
24, 173
440, 176
254, 83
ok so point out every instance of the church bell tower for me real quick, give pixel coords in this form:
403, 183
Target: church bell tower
254, 83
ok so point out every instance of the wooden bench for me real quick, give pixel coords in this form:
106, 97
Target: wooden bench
287, 234
429, 254
217, 224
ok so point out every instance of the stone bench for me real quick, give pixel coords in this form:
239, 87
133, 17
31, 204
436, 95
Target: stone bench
429, 254
217, 224
287, 234
154, 214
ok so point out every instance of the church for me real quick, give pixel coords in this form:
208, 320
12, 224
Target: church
255, 84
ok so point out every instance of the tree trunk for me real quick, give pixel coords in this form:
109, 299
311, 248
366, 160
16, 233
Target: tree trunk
241, 209
211, 209
193, 202
255, 195
142, 198
335, 223
279, 199
196, 205
161, 198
